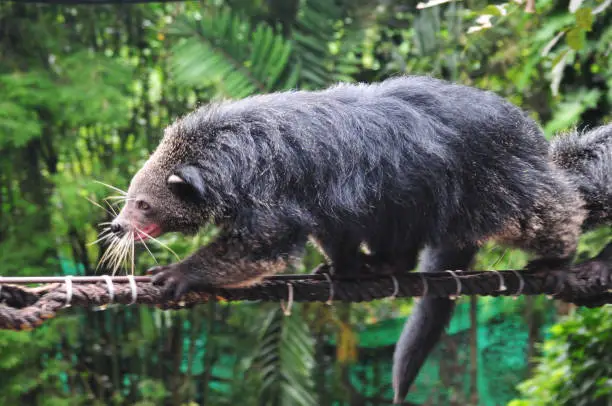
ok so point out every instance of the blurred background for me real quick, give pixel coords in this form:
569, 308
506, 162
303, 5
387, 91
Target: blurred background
85, 92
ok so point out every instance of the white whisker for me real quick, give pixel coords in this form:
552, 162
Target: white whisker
133, 249
116, 205
114, 253
111, 207
160, 243
102, 238
99, 205
115, 257
105, 230
147, 248
108, 252
123, 192
121, 253
128, 250
122, 198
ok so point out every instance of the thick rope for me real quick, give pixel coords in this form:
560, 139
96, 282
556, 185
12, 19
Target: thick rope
585, 284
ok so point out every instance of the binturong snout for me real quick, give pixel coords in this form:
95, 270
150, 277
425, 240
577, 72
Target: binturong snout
117, 228
135, 219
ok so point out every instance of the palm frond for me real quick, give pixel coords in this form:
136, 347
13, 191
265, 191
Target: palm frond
324, 45
285, 359
219, 48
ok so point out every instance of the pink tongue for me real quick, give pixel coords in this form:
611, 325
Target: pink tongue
152, 230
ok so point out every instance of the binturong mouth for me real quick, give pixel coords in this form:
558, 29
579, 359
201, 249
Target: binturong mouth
129, 227
122, 236
139, 234
147, 232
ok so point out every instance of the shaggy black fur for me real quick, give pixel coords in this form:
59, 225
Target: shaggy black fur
403, 165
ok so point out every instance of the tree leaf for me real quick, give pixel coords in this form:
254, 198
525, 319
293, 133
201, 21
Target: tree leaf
585, 18
575, 38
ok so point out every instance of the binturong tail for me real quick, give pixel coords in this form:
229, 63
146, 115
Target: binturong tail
586, 158
429, 320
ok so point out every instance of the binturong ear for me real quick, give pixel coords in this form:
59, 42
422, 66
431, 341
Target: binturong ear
187, 182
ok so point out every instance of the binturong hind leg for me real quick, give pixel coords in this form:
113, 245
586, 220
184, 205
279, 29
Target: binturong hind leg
341, 249
552, 231
428, 321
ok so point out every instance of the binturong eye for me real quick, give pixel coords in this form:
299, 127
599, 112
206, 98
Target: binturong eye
142, 205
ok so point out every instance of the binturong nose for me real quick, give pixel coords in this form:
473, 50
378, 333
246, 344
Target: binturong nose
116, 228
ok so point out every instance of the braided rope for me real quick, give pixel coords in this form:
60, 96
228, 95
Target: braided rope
586, 284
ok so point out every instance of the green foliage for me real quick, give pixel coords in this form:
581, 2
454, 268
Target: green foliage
569, 112
82, 89
12, 130
93, 90
285, 361
220, 49
323, 44
22, 93
152, 392
575, 366
33, 369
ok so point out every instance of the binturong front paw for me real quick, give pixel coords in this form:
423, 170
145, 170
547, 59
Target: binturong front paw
174, 280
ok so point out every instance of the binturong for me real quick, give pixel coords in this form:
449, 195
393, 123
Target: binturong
409, 166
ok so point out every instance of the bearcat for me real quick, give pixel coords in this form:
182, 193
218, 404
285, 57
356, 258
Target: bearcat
417, 169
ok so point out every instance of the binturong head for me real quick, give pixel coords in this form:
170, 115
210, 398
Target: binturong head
172, 192
168, 194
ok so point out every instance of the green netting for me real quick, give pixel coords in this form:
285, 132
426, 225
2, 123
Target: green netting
502, 348
68, 267
445, 379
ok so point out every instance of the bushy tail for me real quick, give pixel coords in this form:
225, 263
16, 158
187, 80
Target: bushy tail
586, 157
